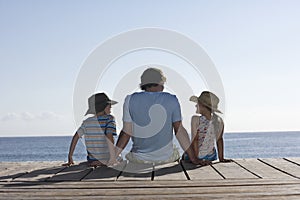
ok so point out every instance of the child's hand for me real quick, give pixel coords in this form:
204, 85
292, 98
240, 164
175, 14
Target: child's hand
69, 163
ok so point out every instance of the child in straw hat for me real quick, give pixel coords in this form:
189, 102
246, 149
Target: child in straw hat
98, 131
207, 128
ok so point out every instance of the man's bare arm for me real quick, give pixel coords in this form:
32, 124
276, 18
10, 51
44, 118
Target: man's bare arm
124, 137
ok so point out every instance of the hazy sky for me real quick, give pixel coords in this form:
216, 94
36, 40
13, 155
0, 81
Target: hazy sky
255, 46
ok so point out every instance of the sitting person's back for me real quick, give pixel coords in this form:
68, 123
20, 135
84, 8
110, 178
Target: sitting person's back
97, 131
152, 115
149, 118
208, 128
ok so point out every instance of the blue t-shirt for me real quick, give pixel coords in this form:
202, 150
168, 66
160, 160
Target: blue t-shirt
152, 115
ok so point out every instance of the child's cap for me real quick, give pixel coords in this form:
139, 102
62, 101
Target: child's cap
99, 100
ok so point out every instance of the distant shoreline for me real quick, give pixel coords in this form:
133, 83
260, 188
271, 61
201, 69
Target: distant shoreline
229, 132
263, 132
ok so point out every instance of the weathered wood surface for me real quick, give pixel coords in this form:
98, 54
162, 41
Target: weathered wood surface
171, 171
261, 170
242, 179
136, 171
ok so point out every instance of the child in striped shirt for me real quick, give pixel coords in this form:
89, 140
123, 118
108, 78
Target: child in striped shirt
97, 131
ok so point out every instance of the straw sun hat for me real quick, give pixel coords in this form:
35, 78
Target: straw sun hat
207, 99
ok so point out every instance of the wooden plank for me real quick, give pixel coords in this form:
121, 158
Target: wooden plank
146, 184
8, 174
32, 186
294, 160
136, 171
284, 166
200, 173
8, 168
261, 169
104, 173
155, 197
5, 167
229, 191
18, 169
40, 174
72, 173
231, 170
170, 171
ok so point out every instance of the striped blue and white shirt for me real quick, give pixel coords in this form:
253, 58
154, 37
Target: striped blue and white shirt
94, 130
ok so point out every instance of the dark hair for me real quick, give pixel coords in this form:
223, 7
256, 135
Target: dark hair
101, 107
149, 85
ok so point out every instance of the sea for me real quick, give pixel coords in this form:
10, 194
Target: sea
237, 145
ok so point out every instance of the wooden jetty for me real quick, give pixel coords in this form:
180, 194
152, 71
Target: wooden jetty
272, 178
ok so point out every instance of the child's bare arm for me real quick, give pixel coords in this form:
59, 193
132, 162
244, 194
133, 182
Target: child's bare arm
71, 150
195, 134
220, 146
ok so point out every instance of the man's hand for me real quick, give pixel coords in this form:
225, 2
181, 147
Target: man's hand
112, 162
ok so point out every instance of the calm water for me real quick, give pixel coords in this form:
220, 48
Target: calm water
237, 145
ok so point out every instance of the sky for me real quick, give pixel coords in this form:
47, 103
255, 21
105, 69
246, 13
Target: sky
254, 45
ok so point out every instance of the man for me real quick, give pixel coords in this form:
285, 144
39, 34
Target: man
149, 118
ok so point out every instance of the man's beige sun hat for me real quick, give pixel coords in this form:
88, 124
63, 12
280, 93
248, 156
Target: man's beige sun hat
208, 99
152, 75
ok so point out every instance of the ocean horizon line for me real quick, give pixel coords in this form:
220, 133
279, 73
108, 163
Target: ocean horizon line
236, 145
226, 132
